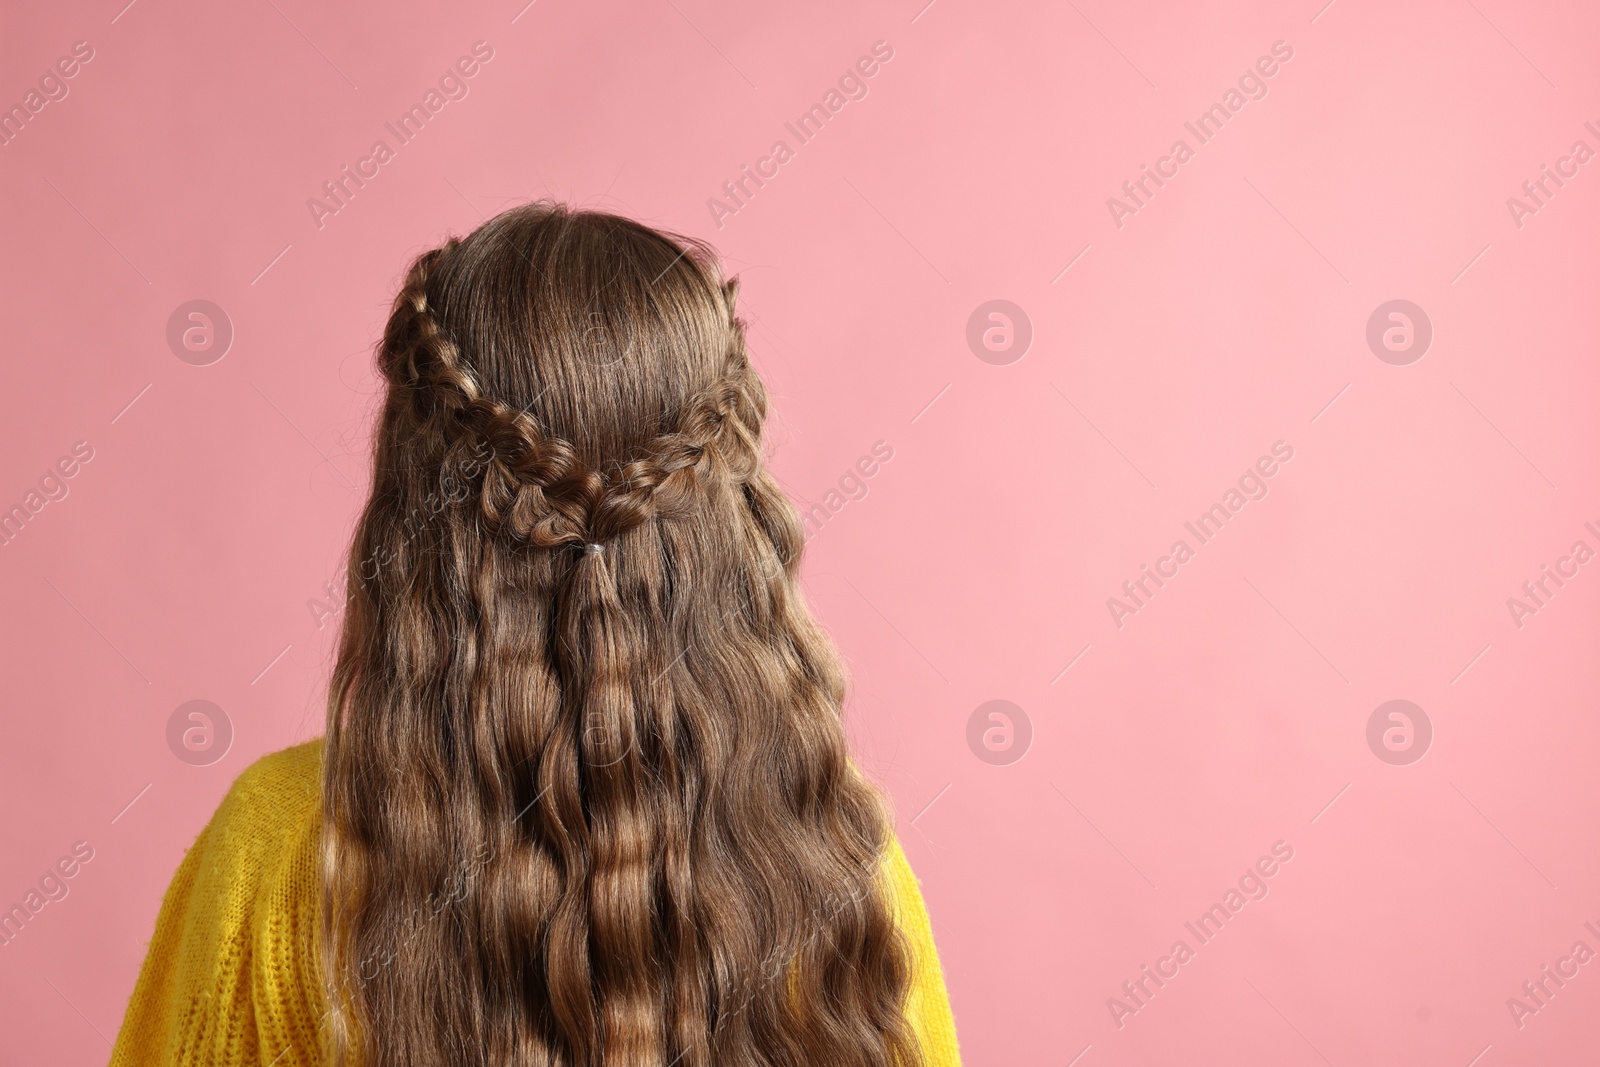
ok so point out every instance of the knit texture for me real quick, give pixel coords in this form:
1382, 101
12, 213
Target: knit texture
231, 977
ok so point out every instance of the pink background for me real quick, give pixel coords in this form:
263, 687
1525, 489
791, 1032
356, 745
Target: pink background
1223, 316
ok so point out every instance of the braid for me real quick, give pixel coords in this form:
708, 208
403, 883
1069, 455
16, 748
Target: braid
534, 486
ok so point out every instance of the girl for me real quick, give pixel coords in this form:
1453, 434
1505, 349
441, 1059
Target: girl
584, 797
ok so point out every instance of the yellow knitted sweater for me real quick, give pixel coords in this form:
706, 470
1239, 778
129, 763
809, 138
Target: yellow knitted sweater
231, 978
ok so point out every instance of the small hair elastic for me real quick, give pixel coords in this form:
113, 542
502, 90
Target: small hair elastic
593, 547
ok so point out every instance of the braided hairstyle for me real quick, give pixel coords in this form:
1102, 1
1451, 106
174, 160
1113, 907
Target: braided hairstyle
587, 799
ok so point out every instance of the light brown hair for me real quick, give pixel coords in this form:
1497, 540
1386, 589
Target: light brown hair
587, 798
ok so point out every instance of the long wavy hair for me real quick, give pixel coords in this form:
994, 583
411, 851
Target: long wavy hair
587, 799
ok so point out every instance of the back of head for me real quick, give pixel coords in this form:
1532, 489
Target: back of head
587, 798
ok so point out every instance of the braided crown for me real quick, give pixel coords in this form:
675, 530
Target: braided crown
534, 486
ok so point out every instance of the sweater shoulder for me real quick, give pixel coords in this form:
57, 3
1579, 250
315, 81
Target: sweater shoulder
269, 817
229, 977
928, 1000
279, 788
